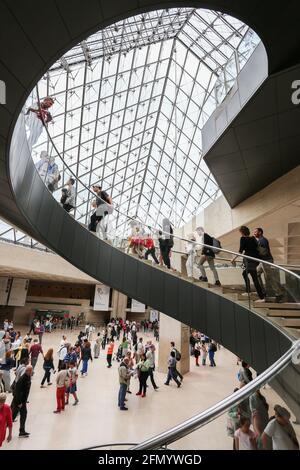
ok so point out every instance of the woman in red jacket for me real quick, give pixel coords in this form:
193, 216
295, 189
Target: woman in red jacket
5, 419
150, 248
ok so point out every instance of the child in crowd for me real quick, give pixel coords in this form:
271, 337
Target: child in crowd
110, 351
204, 354
244, 437
72, 388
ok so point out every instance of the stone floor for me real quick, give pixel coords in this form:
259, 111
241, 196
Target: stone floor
97, 419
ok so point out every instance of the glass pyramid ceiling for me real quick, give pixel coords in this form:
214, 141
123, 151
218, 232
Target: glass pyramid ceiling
130, 103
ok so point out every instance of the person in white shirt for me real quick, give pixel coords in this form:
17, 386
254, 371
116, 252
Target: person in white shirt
139, 350
244, 437
190, 249
62, 352
280, 430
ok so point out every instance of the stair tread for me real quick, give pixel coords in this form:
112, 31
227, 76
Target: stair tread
289, 322
274, 305
283, 313
294, 332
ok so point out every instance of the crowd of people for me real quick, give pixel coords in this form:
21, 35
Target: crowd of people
50, 323
250, 426
21, 354
202, 346
248, 423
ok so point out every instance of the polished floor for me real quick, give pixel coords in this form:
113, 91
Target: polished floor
97, 420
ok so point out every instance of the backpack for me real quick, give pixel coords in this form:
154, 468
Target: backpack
177, 355
217, 245
240, 376
214, 347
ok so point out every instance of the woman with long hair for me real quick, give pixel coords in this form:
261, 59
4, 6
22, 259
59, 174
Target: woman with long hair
48, 365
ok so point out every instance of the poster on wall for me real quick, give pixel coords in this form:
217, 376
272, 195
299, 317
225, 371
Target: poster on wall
18, 292
137, 306
4, 289
154, 315
101, 299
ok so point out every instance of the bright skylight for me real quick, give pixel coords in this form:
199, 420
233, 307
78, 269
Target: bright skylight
130, 103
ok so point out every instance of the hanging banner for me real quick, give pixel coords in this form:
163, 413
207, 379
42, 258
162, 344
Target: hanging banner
101, 299
4, 289
154, 315
18, 292
137, 306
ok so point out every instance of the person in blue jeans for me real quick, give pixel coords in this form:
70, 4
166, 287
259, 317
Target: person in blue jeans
172, 372
211, 354
124, 378
86, 355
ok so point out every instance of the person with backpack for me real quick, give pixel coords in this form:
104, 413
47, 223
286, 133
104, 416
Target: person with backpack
172, 371
245, 374
207, 254
212, 348
177, 357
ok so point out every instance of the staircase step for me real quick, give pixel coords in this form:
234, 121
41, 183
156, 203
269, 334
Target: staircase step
234, 290
253, 296
294, 332
289, 322
213, 286
280, 306
283, 313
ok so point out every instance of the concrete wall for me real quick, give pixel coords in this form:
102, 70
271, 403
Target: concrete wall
273, 208
172, 330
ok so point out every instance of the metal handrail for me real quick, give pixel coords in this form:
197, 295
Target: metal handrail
205, 417
114, 444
